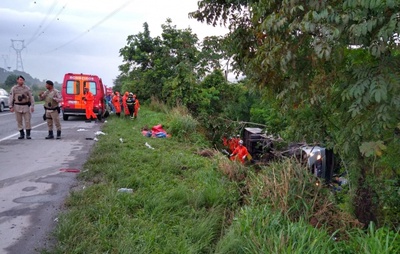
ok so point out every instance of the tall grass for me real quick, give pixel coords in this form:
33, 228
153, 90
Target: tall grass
258, 229
287, 186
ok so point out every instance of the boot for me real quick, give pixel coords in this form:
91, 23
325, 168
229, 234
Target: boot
50, 136
28, 134
21, 134
58, 134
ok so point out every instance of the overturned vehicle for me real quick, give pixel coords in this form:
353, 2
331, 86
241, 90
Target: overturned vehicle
265, 148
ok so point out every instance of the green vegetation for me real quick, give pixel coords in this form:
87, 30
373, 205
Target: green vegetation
326, 73
188, 198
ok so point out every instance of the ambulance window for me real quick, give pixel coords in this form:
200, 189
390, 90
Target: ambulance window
92, 86
73, 87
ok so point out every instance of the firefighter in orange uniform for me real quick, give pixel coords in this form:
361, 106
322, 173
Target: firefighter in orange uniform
116, 103
124, 104
137, 105
240, 152
89, 101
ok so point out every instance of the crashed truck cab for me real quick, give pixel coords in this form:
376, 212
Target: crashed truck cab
319, 160
316, 160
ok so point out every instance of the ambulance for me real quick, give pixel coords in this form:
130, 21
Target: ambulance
72, 93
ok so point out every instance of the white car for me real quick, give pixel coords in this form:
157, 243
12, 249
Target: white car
3, 100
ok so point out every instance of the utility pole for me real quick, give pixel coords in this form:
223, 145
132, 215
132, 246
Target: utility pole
5, 58
18, 46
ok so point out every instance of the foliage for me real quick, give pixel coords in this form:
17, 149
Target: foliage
333, 66
184, 126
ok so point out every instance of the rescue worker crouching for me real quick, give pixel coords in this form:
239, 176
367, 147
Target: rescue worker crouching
51, 98
22, 103
240, 153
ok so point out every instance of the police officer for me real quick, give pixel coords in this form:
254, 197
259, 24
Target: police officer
51, 98
22, 103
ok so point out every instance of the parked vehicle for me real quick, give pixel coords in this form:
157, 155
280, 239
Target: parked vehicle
3, 100
72, 93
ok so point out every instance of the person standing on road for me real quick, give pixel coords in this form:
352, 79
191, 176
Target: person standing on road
51, 99
22, 103
89, 100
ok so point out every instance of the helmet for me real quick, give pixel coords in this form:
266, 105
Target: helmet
241, 142
131, 94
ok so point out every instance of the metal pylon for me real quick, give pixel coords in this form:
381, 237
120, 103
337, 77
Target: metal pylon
18, 46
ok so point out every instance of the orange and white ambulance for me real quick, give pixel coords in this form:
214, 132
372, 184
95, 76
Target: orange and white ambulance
72, 93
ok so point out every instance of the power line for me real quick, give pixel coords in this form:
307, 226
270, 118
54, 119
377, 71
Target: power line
48, 25
41, 23
94, 26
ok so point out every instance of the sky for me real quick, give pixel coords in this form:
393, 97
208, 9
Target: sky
55, 37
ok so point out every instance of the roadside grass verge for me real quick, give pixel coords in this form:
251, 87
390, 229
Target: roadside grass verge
188, 198
179, 201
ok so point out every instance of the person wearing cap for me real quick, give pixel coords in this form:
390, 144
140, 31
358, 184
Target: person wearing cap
89, 102
240, 153
130, 104
22, 103
51, 98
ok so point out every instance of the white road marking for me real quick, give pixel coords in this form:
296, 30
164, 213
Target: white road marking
13, 135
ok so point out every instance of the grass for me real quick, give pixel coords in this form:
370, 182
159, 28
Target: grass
187, 198
178, 204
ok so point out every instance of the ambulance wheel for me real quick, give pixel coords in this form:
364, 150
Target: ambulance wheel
100, 115
65, 117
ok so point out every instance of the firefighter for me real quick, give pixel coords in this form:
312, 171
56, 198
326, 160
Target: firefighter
89, 101
124, 105
130, 104
116, 103
240, 153
137, 106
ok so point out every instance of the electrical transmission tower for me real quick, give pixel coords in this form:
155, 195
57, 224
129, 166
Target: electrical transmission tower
5, 58
18, 46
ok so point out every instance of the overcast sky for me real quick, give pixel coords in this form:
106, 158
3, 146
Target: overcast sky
84, 36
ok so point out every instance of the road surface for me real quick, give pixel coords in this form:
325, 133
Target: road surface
33, 184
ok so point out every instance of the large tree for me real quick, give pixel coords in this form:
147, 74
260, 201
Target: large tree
334, 67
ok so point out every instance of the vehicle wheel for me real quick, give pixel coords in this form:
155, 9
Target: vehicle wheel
100, 115
65, 117
1, 107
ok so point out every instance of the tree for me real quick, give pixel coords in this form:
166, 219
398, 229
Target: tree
306, 56
10, 81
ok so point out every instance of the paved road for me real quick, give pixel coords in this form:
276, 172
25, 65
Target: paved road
32, 183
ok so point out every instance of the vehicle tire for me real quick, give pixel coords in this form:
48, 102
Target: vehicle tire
65, 117
1, 107
99, 116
